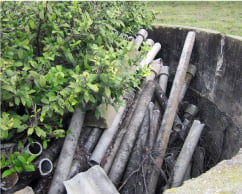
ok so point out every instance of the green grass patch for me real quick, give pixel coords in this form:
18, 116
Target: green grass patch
225, 17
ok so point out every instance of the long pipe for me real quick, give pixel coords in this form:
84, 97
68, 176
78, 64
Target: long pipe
171, 109
126, 147
67, 153
106, 138
92, 139
151, 54
186, 153
137, 153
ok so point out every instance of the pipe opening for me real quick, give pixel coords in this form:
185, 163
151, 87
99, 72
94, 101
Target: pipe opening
45, 166
34, 148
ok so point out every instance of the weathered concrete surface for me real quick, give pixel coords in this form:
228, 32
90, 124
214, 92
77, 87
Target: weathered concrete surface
225, 177
217, 86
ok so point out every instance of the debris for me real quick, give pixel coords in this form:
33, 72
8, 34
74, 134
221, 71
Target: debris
26, 190
93, 181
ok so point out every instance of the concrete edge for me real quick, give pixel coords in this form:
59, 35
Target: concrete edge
197, 29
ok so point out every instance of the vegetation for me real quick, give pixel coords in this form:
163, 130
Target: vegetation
221, 16
57, 56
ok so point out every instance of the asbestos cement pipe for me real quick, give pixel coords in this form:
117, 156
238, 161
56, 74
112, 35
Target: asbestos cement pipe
163, 79
142, 34
189, 75
186, 153
67, 153
136, 156
92, 139
171, 109
106, 138
151, 54
126, 147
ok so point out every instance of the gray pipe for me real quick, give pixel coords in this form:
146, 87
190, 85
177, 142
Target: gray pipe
186, 153
163, 80
45, 166
140, 37
150, 42
92, 139
189, 75
107, 137
151, 54
67, 153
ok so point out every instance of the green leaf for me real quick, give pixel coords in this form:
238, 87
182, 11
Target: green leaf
86, 96
29, 168
41, 15
30, 131
17, 100
40, 132
42, 81
93, 87
7, 172
22, 159
20, 53
31, 24
31, 158
107, 91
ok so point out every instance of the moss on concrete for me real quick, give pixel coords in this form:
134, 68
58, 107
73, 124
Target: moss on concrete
224, 178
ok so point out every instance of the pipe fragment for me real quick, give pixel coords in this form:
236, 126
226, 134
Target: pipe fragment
67, 153
106, 138
151, 54
142, 34
186, 153
189, 75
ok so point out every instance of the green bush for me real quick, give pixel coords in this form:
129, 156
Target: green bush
57, 56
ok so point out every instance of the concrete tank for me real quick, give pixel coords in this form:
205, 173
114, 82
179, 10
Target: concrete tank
216, 88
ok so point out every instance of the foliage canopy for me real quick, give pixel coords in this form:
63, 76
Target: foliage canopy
57, 56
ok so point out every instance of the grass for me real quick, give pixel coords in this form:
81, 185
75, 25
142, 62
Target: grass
223, 16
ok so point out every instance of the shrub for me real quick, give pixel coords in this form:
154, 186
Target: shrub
57, 56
